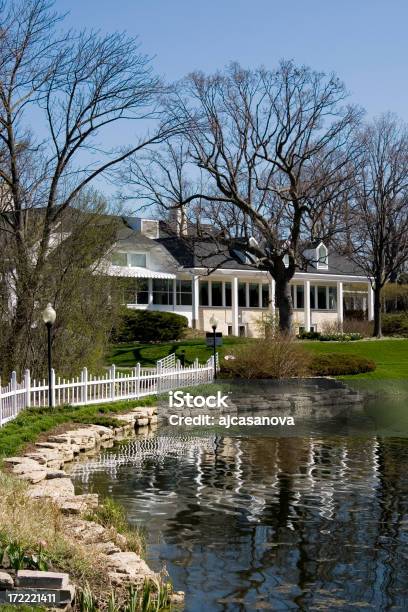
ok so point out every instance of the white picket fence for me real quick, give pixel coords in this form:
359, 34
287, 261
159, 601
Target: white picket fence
87, 389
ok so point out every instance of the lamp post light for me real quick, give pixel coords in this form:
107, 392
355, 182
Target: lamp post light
214, 323
49, 315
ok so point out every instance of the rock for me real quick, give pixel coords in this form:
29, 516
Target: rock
65, 451
33, 477
153, 419
51, 474
142, 422
41, 580
54, 488
106, 548
76, 504
177, 598
6, 581
127, 567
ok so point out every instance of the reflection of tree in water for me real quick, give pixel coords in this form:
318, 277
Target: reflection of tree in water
311, 521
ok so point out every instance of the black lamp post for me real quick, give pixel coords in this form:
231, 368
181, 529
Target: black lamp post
49, 316
214, 323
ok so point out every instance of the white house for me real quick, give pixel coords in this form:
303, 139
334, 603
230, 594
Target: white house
174, 274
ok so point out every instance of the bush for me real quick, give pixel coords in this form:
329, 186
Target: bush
309, 335
149, 326
340, 337
339, 364
358, 326
278, 357
395, 325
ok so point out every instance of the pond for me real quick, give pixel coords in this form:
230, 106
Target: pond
260, 519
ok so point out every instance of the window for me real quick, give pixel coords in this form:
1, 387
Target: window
203, 293
312, 297
253, 295
119, 259
300, 296
265, 296
242, 295
133, 260
137, 260
322, 257
230, 330
228, 298
184, 295
216, 293
332, 298
162, 291
321, 298
142, 291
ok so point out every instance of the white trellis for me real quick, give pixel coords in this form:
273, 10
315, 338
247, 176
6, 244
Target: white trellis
87, 389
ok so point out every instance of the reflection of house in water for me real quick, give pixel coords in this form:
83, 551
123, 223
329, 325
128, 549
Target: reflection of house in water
304, 515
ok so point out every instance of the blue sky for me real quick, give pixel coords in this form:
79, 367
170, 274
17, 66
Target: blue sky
363, 41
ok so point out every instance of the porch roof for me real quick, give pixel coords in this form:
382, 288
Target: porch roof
137, 272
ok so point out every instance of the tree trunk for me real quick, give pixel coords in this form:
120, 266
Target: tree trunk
377, 311
284, 304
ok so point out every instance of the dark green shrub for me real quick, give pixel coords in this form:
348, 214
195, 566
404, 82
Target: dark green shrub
149, 326
395, 324
309, 335
340, 364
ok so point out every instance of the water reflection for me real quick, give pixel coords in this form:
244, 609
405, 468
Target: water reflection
246, 521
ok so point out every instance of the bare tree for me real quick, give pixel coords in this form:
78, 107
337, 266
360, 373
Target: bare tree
276, 150
77, 86
378, 212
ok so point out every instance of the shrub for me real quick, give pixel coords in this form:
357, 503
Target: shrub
395, 324
358, 326
340, 337
339, 364
149, 326
278, 357
309, 335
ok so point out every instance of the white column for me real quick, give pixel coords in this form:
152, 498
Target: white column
260, 295
150, 289
340, 303
247, 295
210, 293
196, 301
174, 293
306, 299
234, 305
224, 301
272, 296
370, 303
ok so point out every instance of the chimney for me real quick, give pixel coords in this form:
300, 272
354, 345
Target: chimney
178, 220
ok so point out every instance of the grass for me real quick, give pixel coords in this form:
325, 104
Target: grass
33, 422
391, 356
128, 355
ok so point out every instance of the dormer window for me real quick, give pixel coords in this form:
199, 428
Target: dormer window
322, 257
129, 260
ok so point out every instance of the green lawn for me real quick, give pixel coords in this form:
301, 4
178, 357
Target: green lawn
390, 355
127, 355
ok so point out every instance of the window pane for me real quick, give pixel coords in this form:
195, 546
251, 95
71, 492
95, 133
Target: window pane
333, 298
216, 290
242, 295
300, 296
321, 298
254, 295
312, 297
322, 256
137, 260
162, 291
265, 296
119, 259
203, 293
228, 298
142, 294
184, 293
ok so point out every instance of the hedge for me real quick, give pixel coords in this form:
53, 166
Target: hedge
149, 326
340, 364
